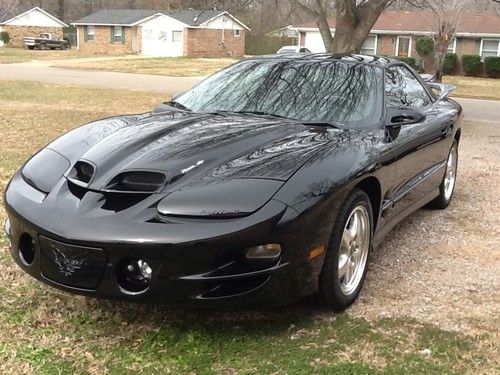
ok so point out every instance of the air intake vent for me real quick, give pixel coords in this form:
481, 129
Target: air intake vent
137, 182
83, 171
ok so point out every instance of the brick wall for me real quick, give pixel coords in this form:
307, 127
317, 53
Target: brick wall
468, 46
213, 43
18, 33
102, 41
386, 45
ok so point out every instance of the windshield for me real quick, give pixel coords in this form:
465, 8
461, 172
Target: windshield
326, 91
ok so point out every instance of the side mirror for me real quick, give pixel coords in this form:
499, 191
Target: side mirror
398, 116
444, 91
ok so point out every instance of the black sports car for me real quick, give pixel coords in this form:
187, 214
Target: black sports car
268, 181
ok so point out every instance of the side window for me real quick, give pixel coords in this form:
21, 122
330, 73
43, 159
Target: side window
403, 89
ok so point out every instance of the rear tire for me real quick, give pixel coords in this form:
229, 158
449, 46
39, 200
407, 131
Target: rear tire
448, 184
346, 261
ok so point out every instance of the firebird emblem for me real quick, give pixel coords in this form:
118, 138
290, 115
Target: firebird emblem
67, 265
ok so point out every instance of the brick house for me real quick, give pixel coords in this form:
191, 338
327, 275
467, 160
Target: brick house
189, 32
32, 22
395, 34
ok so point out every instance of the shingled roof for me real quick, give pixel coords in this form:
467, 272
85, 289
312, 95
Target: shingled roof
194, 17
122, 17
424, 21
130, 17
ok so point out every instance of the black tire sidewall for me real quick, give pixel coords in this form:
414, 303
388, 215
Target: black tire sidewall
329, 283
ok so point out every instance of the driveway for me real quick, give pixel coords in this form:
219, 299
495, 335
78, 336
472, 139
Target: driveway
475, 109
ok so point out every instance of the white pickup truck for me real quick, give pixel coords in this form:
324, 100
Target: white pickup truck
45, 41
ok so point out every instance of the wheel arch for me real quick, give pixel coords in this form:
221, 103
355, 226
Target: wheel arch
371, 186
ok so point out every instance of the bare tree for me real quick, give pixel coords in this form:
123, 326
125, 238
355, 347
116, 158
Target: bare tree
353, 21
448, 14
7, 7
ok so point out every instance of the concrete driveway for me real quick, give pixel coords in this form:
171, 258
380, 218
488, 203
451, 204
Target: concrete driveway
475, 110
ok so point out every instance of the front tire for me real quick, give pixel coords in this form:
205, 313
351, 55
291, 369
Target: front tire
447, 186
346, 260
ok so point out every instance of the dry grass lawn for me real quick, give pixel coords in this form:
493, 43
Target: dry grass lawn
17, 55
474, 87
168, 66
430, 305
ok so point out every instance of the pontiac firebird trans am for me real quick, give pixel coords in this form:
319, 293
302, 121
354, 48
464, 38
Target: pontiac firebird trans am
270, 180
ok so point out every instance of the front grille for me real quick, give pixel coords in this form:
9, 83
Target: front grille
71, 265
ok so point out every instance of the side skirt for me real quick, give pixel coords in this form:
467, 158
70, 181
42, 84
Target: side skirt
385, 227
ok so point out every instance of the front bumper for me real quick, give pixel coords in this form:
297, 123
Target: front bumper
195, 262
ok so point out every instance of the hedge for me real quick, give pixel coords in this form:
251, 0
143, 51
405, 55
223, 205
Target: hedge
425, 46
471, 64
5, 37
492, 66
411, 61
450, 63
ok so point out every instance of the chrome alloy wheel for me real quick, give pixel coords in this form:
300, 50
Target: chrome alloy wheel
450, 175
354, 248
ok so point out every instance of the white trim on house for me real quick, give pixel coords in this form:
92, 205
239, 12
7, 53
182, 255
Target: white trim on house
6, 22
224, 13
482, 43
454, 48
409, 45
408, 32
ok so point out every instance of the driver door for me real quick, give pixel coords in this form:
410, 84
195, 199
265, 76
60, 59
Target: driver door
420, 149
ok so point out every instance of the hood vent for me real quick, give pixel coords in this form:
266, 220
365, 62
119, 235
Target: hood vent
82, 173
137, 182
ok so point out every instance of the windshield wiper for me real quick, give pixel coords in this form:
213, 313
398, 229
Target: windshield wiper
321, 123
258, 113
178, 105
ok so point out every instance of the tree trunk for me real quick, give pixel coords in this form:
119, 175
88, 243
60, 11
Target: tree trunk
61, 9
353, 24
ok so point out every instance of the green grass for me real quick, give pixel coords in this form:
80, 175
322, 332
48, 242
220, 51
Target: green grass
45, 331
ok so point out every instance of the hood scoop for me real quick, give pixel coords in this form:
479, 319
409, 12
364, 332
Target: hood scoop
82, 173
137, 182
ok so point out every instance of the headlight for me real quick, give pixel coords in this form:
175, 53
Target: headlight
220, 199
269, 251
44, 169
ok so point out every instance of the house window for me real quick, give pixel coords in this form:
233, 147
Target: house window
452, 47
369, 46
176, 36
403, 46
118, 36
237, 33
89, 33
490, 48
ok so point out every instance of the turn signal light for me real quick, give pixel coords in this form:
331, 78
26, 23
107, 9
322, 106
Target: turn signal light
269, 251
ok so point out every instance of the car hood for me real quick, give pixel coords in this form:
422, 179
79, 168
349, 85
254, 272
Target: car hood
191, 148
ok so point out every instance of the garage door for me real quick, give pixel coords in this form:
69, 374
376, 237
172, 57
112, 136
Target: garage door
155, 42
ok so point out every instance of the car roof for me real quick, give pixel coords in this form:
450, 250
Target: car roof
380, 61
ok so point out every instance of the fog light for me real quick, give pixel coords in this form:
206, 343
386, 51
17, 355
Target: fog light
134, 276
269, 251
